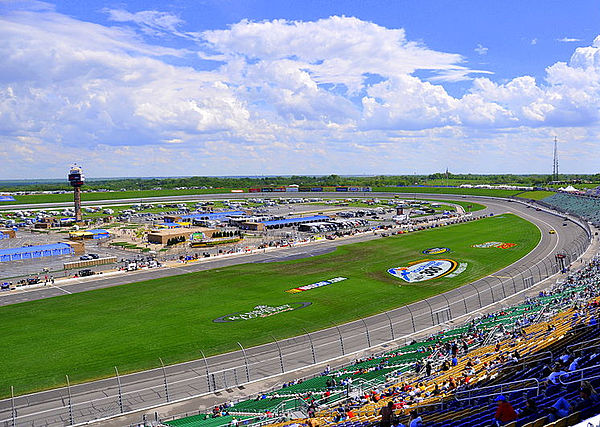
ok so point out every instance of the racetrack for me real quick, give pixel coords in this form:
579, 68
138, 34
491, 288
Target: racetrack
191, 378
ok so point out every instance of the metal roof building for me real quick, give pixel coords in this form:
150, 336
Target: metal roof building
39, 251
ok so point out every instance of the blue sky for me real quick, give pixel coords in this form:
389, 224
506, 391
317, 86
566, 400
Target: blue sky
223, 87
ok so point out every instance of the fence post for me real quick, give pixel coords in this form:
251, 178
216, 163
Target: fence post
70, 402
245, 362
463, 298
312, 347
207, 373
367, 331
430, 311
539, 271
391, 324
478, 294
12, 407
165, 377
546, 268
412, 318
341, 339
502, 285
120, 391
491, 289
448, 305
280, 354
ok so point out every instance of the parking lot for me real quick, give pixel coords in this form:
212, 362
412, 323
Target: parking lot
348, 220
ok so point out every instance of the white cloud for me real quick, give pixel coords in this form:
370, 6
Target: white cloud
338, 91
481, 50
568, 40
534, 41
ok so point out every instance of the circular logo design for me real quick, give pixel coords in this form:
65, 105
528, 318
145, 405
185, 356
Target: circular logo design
420, 271
261, 311
435, 251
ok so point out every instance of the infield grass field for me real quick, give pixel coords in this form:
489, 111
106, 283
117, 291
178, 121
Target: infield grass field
86, 334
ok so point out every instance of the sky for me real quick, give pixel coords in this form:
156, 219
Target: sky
233, 87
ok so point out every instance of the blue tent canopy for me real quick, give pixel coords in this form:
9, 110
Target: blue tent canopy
99, 233
7, 199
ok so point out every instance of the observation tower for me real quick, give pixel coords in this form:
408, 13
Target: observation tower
76, 179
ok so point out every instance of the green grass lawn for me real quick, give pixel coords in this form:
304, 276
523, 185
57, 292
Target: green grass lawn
115, 195
86, 334
451, 190
468, 206
536, 195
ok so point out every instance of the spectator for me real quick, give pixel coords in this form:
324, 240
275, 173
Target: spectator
387, 412
560, 409
505, 412
415, 419
530, 409
555, 374
587, 401
574, 364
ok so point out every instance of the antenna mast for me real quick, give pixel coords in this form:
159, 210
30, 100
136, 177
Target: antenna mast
555, 163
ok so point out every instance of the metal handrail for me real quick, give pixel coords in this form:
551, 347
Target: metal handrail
582, 377
496, 392
582, 343
535, 358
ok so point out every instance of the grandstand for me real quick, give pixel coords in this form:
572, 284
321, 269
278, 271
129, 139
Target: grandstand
583, 206
531, 354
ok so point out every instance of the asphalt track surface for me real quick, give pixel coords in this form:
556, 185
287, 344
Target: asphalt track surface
100, 399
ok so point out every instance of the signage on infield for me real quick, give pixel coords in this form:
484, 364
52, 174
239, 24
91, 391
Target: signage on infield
261, 311
499, 245
316, 285
420, 271
435, 251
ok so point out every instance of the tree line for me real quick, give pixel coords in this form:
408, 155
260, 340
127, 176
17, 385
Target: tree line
328, 180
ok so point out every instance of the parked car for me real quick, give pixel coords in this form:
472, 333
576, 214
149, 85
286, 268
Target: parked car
94, 256
85, 258
85, 273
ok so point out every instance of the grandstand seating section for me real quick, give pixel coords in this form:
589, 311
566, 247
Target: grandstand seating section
583, 206
509, 352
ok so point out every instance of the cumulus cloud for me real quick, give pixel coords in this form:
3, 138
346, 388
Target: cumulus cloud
338, 87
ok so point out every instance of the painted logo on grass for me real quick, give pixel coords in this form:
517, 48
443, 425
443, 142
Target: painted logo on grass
435, 251
498, 245
261, 311
420, 271
316, 285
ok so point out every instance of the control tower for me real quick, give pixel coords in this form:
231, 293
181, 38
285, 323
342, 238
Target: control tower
76, 179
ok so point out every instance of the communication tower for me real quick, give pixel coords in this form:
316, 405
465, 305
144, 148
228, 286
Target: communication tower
555, 162
76, 179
